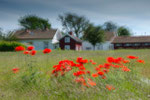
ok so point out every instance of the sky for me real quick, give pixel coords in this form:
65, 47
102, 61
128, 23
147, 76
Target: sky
134, 14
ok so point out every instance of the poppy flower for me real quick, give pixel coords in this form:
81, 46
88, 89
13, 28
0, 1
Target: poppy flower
30, 48
101, 66
141, 61
91, 82
26, 52
81, 61
126, 69
107, 65
78, 73
132, 57
97, 69
95, 75
88, 72
92, 62
126, 61
19, 48
33, 52
110, 87
103, 77
106, 70
15, 70
100, 73
79, 80
47, 50
110, 59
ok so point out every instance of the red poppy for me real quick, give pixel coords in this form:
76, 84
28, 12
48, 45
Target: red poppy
110, 59
110, 87
33, 52
30, 48
125, 69
79, 80
101, 73
101, 66
88, 72
107, 65
47, 50
126, 61
91, 82
26, 52
132, 57
97, 69
15, 70
92, 62
95, 75
78, 73
19, 48
103, 77
106, 70
81, 61
141, 61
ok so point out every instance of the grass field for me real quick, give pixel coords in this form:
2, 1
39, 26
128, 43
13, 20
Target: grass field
39, 85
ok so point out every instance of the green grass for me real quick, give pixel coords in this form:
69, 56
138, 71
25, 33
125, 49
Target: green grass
39, 85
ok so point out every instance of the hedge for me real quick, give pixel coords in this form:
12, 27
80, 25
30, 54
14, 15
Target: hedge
9, 46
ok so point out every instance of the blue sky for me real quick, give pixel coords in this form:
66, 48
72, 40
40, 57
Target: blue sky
131, 13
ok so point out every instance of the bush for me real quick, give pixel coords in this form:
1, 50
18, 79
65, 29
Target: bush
9, 46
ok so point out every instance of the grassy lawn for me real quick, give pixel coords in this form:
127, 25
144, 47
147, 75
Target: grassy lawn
40, 85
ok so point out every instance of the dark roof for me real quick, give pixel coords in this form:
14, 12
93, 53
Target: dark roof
35, 34
131, 39
73, 37
109, 36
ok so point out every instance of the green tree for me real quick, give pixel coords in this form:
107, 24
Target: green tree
110, 26
1, 34
9, 36
94, 34
34, 22
74, 23
123, 31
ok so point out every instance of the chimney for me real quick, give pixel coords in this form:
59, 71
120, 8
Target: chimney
46, 29
70, 33
27, 30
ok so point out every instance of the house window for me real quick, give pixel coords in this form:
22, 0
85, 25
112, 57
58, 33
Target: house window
118, 44
67, 39
45, 44
147, 44
137, 44
127, 44
67, 47
88, 48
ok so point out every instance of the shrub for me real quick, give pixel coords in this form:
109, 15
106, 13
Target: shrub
9, 46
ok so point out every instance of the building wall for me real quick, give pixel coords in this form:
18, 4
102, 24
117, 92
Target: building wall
56, 37
103, 46
132, 45
39, 44
72, 43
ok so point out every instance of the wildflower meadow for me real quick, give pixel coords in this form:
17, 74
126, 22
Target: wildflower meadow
27, 74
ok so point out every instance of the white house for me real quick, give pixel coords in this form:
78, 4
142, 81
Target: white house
40, 39
106, 45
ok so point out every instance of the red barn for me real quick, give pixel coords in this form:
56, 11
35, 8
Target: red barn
70, 42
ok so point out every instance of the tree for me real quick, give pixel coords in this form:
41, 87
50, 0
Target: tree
94, 34
123, 31
9, 36
74, 23
110, 26
34, 22
1, 34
